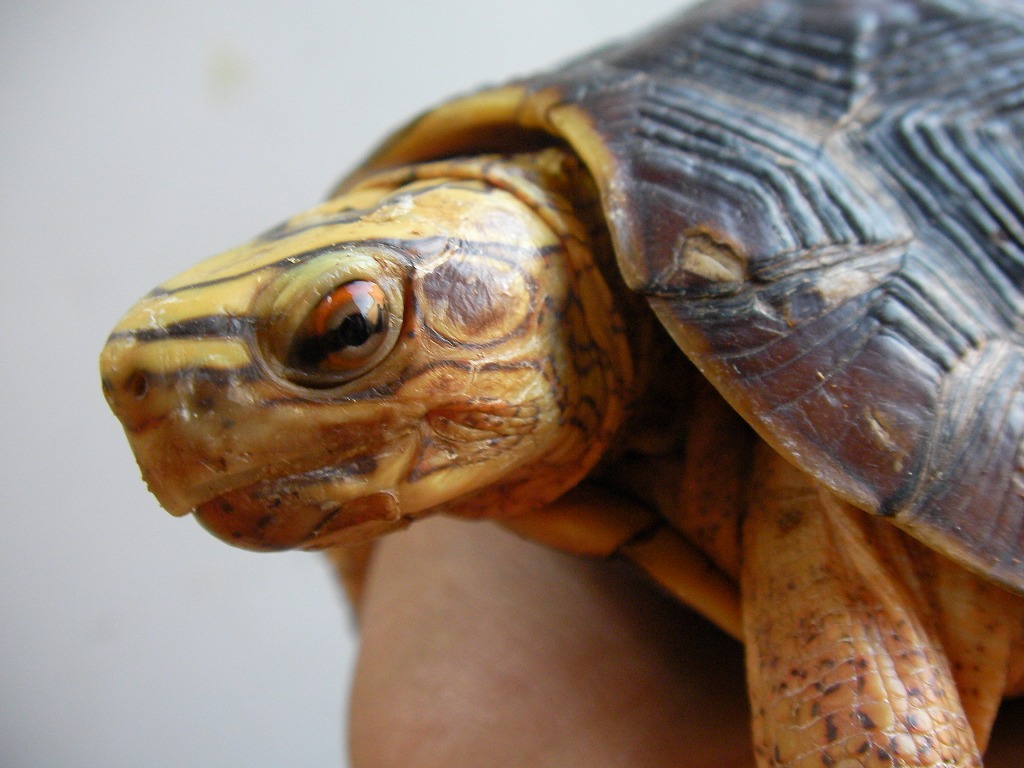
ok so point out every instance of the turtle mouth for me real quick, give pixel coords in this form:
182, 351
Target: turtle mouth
287, 497
289, 513
313, 506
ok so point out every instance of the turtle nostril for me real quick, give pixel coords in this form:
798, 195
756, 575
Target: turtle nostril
137, 385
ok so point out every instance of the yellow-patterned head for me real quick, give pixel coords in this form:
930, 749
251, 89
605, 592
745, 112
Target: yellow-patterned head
436, 338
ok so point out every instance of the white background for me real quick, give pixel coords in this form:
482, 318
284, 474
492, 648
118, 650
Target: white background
137, 137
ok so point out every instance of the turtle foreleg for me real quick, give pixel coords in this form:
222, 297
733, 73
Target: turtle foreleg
597, 522
981, 628
845, 663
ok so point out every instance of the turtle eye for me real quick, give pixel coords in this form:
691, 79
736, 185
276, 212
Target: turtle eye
342, 333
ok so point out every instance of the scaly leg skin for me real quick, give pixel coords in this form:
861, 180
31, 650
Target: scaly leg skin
980, 625
845, 663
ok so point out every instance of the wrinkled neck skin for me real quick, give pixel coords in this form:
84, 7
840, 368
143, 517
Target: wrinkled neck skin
488, 371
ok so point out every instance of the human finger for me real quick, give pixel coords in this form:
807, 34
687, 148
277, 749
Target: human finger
479, 648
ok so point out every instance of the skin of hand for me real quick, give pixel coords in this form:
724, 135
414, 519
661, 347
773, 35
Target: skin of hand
480, 648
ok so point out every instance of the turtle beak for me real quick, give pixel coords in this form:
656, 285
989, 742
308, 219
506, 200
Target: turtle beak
170, 417
253, 517
257, 470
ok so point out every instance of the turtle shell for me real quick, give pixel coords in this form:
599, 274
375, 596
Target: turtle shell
824, 204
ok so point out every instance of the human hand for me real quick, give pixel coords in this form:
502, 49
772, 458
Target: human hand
481, 649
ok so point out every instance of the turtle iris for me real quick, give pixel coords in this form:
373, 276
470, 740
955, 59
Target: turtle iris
343, 331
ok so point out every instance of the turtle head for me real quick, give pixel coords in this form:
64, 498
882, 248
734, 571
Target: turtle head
418, 343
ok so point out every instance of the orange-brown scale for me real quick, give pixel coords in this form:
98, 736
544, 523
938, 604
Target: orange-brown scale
845, 659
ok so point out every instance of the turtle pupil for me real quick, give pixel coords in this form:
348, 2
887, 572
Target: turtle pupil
353, 331
350, 334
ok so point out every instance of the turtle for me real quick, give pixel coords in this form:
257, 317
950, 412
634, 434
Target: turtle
738, 299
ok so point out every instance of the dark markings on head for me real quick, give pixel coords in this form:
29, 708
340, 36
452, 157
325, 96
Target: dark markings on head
388, 389
468, 297
427, 246
208, 326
